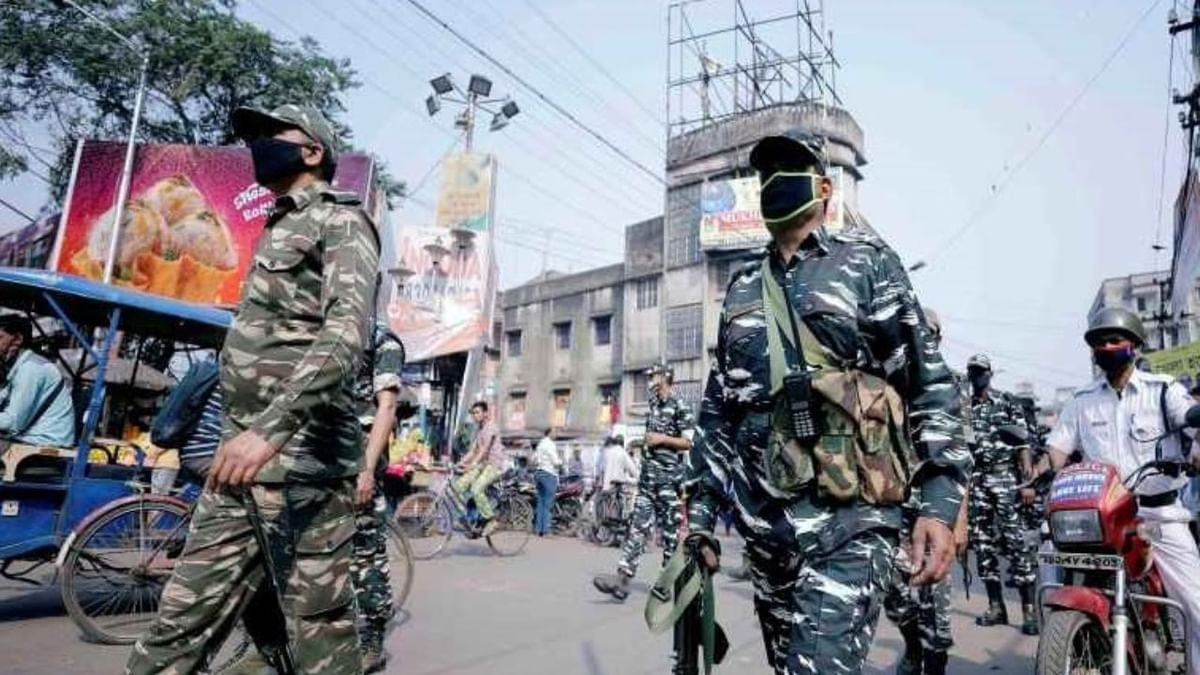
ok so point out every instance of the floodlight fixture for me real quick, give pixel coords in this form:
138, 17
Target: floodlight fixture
509, 109
480, 86
442, 84
432, 105
499, 121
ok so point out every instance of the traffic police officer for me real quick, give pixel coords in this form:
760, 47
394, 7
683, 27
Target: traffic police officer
668, 438
279, 504
827, 400
995, 525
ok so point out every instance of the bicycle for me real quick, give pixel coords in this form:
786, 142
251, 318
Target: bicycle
116, 563
429, 518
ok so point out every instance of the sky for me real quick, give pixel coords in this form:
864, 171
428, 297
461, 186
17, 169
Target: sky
1008, 118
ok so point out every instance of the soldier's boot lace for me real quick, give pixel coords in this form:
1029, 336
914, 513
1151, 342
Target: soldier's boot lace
616, 585
997, 612
911, 661
935, 663
373, 657
1030, 619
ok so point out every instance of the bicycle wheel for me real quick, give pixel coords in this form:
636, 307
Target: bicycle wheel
117, 566
426, 523
514, 525
400, 564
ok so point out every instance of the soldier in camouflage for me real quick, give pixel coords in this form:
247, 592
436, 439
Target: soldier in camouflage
995, 527
377, 391
279, 505
923, 614
668, 437
821, 516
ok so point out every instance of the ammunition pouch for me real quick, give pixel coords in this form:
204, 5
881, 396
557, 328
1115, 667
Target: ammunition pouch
864, 452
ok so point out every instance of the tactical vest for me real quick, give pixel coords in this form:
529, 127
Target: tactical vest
864, 451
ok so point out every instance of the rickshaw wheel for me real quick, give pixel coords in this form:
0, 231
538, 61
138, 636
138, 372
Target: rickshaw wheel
117, 566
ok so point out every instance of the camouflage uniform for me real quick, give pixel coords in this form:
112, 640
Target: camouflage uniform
287, 373
657, 501
995, 526
820, 568
369, 567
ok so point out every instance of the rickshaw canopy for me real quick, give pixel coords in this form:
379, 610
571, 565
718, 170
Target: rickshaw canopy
89, 302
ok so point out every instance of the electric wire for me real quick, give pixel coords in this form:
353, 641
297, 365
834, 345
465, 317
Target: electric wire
976, 216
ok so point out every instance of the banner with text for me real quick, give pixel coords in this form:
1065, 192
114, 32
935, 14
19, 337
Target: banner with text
446, 271
192, 221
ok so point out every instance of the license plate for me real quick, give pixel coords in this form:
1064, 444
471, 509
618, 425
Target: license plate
10, 507
1086, 561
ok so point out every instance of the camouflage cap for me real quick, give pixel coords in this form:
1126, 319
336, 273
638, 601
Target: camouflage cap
251, 123
794, 147
979, 361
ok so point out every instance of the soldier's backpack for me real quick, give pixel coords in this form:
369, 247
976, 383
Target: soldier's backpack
183, 408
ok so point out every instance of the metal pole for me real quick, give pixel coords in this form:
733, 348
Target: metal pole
470, 121
126, 173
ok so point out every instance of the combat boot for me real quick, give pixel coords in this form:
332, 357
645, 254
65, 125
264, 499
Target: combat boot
616, 585
911, 661
373, 657
997, 612
935, 663
1030, 619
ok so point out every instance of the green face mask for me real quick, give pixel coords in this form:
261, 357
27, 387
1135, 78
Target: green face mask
787, 195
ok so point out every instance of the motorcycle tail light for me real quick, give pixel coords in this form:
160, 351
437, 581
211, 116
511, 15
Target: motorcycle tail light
1076, 527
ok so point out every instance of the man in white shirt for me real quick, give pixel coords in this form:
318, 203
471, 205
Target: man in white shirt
620, 466
1106, 420
547, 466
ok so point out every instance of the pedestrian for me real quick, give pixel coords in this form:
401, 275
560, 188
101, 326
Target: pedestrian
547, 465
995, 522
377, 392
482, 465
922, 614
668, 437
1094, 421
278, 507
822, 344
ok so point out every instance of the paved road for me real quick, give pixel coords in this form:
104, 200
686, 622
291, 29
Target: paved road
535, 614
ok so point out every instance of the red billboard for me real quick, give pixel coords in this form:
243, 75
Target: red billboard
190, 225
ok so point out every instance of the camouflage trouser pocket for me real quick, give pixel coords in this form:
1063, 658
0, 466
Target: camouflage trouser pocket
836, 456
321, 577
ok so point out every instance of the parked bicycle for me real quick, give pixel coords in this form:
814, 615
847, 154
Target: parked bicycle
431, 517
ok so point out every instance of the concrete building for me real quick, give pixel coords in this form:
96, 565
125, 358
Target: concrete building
1141, 293
575, 344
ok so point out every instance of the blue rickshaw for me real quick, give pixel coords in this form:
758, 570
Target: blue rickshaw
88, 508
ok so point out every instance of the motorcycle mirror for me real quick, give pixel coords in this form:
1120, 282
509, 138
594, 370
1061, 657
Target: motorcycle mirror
1193, 417
1014, 434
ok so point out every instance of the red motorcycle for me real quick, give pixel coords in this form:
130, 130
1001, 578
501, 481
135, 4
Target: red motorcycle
1111, 613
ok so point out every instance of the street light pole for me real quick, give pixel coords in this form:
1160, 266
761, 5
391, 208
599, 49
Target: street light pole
131, 145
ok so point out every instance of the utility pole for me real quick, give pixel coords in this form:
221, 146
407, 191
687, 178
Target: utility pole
130, 146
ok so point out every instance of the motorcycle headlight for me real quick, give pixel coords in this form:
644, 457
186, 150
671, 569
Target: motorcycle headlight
1076, 527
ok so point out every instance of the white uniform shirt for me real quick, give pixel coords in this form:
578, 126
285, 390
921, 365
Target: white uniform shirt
1106, 427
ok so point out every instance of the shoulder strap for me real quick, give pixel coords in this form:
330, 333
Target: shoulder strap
777, 301
41, 409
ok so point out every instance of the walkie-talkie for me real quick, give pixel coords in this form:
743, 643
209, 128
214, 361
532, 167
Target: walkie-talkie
801, 405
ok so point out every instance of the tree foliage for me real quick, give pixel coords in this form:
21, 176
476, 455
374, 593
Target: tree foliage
69, 76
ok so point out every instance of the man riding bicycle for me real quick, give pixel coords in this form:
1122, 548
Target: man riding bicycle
484, 463
1116, 420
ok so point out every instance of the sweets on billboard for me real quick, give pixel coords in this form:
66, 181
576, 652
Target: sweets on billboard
190, 226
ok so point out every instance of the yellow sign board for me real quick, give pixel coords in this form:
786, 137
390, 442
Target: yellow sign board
1178, 361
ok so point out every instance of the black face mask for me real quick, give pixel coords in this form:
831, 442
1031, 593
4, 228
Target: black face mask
1112, 360
275, 159
786, 195
979, 381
